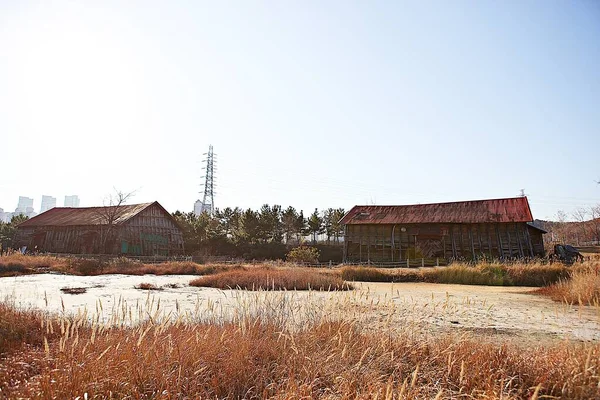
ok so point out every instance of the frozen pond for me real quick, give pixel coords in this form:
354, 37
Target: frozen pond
502, 312
115, 298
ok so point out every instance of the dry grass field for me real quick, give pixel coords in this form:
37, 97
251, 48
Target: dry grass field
257, 354
370, 342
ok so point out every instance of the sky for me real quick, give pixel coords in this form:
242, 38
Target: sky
313, 104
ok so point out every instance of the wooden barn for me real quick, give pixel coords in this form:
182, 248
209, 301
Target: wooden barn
137, 229
499, 228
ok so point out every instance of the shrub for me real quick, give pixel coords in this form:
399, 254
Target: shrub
303, 254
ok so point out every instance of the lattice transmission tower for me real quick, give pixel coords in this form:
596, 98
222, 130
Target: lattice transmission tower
208, 201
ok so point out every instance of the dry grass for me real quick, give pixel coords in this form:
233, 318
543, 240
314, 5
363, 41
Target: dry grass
147, 286
14, 270
496, 274
171, 286
19, 327
369, 274
264, 278
17, 264
492, 274
583, 286
515, 274
261, 358
73, 290
132, 267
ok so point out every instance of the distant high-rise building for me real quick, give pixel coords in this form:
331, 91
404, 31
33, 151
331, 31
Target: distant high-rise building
72, 201
48, 202
198, 207
24, 204
25, 207
6, 216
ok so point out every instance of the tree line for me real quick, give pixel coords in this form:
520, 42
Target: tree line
8, 230
583, 229
271, 227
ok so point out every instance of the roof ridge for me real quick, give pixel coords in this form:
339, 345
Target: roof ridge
113, 205
443, 202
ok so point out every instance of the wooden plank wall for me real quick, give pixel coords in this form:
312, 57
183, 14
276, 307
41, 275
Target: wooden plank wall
60, 239
153, 233
388, 243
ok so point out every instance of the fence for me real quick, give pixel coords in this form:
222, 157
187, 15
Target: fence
108, 257
408, 263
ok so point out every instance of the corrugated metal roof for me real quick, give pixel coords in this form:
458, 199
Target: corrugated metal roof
81, 216
477, 211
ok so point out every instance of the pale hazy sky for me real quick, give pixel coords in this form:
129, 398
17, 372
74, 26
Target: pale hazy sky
307, 103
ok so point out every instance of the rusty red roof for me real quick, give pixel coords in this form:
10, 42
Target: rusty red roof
469, 212
81, 216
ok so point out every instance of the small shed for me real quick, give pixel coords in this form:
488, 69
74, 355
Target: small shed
136, 229
496, 228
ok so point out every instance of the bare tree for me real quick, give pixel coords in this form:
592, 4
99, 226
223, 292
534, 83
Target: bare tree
580, 215
559, 228
595, 222
108, 216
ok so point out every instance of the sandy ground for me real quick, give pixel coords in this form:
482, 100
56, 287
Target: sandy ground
488, 310
497, 312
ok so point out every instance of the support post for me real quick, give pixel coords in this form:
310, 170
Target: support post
500, 248
472, 244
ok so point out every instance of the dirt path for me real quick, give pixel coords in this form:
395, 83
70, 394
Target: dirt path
497, 312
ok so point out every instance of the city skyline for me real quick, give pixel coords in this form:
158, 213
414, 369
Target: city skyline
46, 202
